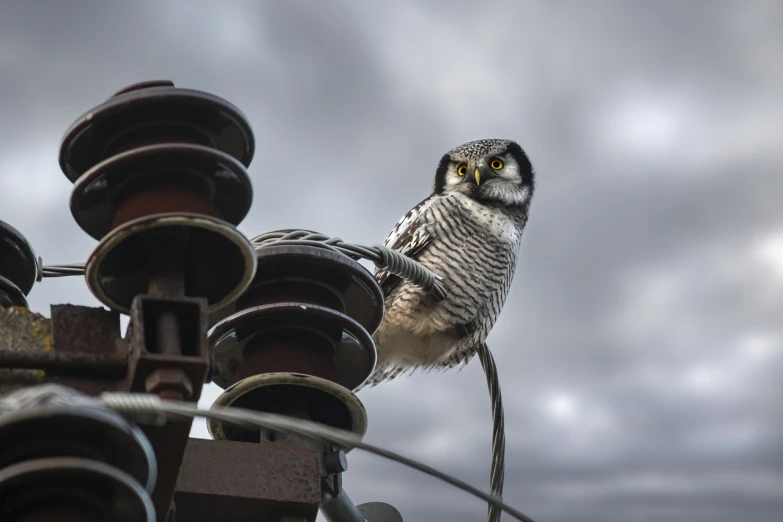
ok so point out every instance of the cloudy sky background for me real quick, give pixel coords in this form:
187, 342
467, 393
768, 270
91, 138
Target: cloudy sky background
641, 348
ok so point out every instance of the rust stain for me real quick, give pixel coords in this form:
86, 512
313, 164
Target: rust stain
40, 329
27, 331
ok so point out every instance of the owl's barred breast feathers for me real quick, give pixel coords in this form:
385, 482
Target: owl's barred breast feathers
406, 238
468, 236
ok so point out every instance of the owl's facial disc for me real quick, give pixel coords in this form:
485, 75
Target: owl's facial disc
490, 171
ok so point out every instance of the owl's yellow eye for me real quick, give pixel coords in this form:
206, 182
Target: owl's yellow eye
496, 164
462, 170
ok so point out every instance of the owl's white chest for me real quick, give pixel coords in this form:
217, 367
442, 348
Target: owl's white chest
497, 225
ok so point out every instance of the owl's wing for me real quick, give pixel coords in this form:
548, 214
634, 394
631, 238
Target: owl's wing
408, 237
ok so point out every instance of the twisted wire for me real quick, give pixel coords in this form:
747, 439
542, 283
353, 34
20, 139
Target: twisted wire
383, 257
497, 469
75, 269
410, 270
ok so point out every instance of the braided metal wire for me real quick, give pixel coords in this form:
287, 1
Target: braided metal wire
405, 268
497, 470
150, 409
75, 269
383, 257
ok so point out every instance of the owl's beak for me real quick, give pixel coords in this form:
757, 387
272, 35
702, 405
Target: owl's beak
482, 173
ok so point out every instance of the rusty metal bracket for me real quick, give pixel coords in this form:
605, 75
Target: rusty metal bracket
169, 356
88, 352
250, 482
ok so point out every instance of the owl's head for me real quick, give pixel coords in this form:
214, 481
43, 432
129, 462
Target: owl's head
489, 171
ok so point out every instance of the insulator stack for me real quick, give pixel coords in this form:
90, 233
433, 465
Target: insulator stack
299, 341
19, 267
69, 463
160, 179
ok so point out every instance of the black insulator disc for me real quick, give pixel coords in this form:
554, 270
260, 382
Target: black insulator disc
354, 356
283, 393
86, 490
218, 177
218, 262
379, 512
319, 276
18, 262
10, 295
143, 85
72, 431
151, 113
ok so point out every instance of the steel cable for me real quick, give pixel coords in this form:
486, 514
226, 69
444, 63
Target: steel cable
497, 468
150, 408
146, 408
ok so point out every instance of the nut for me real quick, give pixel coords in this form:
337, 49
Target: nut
335, 462
169, 380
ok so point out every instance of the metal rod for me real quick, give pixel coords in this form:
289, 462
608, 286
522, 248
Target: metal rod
168, 339
70, 363
340, 508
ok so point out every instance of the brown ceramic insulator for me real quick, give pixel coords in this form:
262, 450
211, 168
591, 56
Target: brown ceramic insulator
351, 347
149, 113
61, 511
153, 134
294, 351
318, 276
160, 200
177, 178
296, 291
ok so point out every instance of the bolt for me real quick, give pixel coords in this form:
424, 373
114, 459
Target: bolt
335, 462
169, 383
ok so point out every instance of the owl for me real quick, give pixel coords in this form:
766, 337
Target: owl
468, 231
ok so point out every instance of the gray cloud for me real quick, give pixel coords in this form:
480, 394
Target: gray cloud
641, 343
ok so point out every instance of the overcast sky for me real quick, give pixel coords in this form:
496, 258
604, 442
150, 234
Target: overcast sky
641, 348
